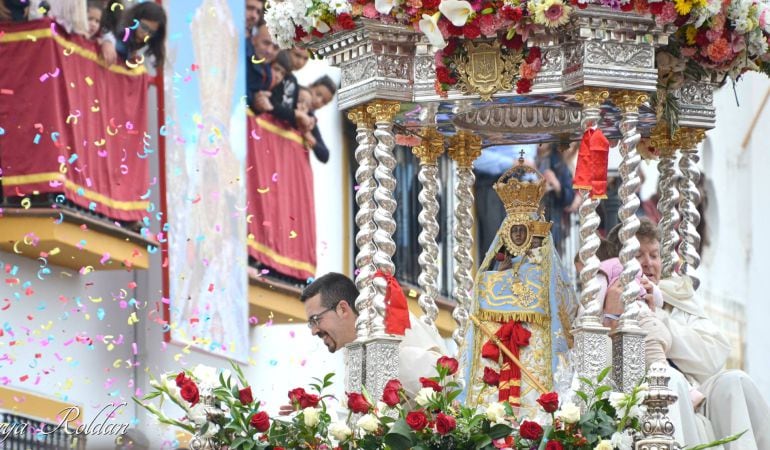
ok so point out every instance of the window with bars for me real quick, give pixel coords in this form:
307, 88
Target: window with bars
23, 433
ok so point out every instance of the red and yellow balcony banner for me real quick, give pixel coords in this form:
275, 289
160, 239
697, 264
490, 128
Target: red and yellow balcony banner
281, 209
70, 124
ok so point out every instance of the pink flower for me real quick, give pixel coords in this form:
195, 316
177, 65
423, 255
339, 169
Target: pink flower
370, 11
689, 52
536, 64
719, 50
488, 25
668, 14
443, 26
526, 71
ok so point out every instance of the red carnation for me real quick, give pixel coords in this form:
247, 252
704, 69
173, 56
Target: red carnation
180, 379
357, 403
533, 54
656, 8
416, 420
430, 4
443, 76
523, 86
515, 42
244, 395
554, 445
627, 6
428, 383
549, 401
449, 363
530, 430
190, 392
391, 394
452, 29
345, 20
299, 33
445, 423
511, 13
491, 377
260, 421
471, 30
701, 39
451, 46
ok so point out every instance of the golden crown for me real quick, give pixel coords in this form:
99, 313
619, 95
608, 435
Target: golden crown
521, 188
540, 229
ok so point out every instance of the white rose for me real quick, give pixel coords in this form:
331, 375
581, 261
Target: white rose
206, 376
604, 445
170, 385
368, 422
212, 430
197, 414
424, 396
495, 411
340, 431
622, 441
311, 416
618, 401
569, 413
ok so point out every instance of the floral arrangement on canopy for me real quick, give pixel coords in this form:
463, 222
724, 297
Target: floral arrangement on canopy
719, 37
221, 409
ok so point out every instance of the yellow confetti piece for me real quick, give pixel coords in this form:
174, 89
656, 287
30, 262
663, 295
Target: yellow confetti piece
31, 38
88, 316
292, 234
15, 248
254, 60
55, 251
26, 203
177, 357
116, 6
116, 363
263, 191
89, 81
62, 168
47, 326
68, 383
132, 319
186, 350
100, 142
68, 51
110, 347
95, 299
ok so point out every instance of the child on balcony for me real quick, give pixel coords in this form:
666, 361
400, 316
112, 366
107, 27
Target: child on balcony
126, 33
94, 18
313, 138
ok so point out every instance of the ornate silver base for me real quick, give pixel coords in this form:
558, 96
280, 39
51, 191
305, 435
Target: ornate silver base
381, 361
354, 367
627, 356
592, 352
657, 429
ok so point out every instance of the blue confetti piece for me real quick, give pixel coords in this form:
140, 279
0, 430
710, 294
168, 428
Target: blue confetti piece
273, 362
73, 158
2, 131
36, 140
81, 191
100, 313
92, 206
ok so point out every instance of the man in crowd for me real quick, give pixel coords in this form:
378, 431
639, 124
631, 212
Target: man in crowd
331, 312
683, 335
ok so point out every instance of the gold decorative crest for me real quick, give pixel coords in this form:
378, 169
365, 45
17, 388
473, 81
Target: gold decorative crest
485, 70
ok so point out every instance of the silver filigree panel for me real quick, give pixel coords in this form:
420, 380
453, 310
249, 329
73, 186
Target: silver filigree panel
621, 55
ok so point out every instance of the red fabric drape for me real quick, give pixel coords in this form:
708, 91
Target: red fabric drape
583, 170
514, 336
98, 159
396, 308
600, 152
280, 198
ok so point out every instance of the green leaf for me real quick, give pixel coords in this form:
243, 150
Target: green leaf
582, 395
487, 11
603, 374
732, 438
586, 381
511, 33
601, 390
481, 441
400, 436
238, 443
499, 431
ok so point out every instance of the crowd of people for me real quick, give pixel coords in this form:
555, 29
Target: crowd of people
272, 87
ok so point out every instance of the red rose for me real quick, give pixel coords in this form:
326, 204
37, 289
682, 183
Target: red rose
656, 8
471, 30
244, 395
627, 7
430, 4
357, 403
533, 54
296, 394
444, 76
260, 421
427, 382
416, 420
180, 379
190, 392
580, 4
491, 377
452, 29
523, 86
308, 400
554, 445
449, 363
391, 393
299, 33
445, 423
549, 401
530, 430
345, 20
451, 46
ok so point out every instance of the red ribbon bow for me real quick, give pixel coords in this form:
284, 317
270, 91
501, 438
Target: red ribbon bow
514, 336
396, 308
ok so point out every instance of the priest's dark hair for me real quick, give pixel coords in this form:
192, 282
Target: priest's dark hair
333, 287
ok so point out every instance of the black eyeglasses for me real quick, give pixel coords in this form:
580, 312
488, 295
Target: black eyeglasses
315, 319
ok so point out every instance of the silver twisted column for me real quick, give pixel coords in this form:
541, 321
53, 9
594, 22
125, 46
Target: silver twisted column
657, 428
628, 338
428, 151
592, 352
688, 204
667, 205
365, 200
464, 149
